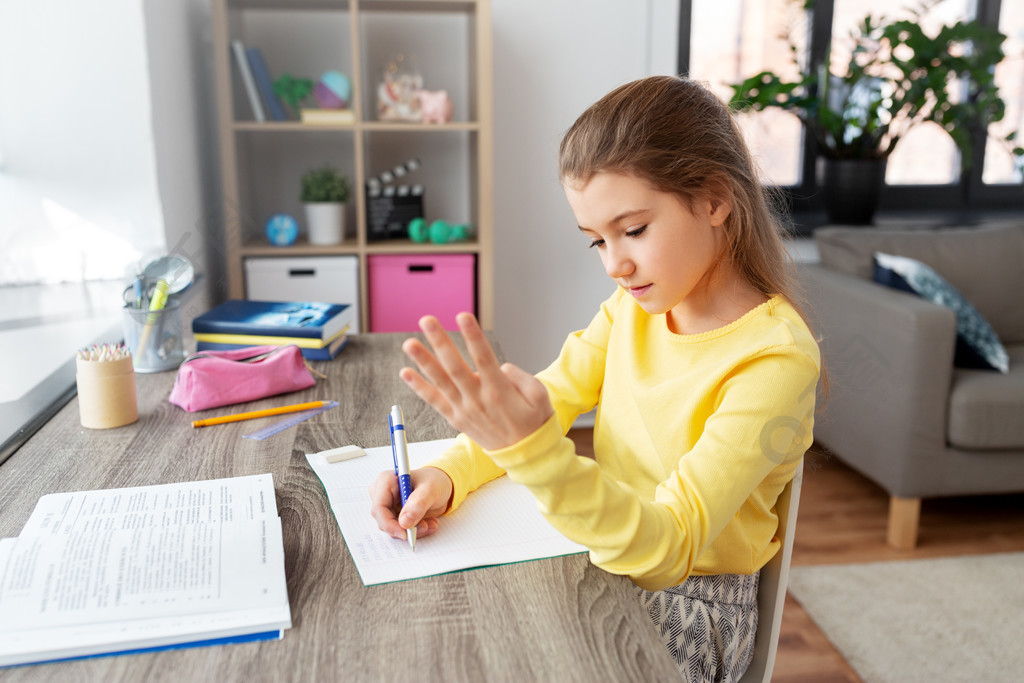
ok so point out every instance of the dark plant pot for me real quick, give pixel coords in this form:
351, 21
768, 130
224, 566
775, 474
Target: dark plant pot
851, 189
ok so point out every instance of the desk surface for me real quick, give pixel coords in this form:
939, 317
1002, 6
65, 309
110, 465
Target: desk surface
558, 619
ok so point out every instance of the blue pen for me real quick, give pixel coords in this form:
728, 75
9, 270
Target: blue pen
400, 453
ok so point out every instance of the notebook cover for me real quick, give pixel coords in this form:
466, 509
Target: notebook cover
261, 74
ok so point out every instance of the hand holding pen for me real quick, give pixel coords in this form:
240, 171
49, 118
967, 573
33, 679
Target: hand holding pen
429, 494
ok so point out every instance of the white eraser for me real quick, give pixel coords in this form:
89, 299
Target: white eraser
343, 453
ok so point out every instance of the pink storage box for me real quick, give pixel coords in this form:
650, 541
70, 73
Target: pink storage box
405, 287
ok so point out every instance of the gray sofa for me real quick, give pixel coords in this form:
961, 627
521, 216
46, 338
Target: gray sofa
899, 411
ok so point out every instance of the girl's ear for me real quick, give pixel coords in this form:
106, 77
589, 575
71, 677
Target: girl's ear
718, 210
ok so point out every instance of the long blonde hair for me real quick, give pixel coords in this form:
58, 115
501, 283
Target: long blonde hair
680, 138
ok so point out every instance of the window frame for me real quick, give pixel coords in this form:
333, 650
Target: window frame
967, 200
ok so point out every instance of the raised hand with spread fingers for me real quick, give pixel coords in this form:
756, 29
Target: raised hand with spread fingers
495, 405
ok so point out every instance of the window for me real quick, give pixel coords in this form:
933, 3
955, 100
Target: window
927, 155
723, 43
728, 43
78, 185
1010, 79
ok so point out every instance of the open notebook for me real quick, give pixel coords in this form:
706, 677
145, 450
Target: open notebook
497, 524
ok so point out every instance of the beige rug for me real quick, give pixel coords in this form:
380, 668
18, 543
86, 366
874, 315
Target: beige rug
944, 620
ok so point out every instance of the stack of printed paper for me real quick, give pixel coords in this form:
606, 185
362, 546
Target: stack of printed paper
141, 569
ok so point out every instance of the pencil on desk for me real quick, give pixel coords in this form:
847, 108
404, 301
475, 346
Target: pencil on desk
258, 413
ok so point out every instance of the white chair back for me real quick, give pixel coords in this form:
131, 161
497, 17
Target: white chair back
771, 592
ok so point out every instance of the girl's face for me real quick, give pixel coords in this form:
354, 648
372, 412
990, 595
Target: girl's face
652, 245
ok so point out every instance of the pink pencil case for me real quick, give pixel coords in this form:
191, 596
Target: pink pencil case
210, 379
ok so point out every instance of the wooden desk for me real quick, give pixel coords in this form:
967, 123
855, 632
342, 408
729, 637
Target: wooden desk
557, 620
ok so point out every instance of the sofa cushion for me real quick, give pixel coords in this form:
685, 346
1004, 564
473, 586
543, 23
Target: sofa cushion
985, 407
977, 345
984, 264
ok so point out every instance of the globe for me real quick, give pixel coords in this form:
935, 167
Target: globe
282, 229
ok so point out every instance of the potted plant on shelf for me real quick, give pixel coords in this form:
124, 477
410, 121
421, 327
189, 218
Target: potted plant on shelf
324, 193
898, 77
293, 91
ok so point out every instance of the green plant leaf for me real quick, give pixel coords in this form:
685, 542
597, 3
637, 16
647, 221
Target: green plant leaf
324, 184
293, 90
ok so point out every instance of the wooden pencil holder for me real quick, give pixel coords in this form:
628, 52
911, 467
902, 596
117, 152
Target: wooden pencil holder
106, 393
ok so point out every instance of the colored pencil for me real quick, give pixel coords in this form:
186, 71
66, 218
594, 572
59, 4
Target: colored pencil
258, 413
104, 352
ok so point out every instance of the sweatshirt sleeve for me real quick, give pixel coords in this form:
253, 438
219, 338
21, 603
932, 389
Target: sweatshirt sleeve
573, 382
763, 423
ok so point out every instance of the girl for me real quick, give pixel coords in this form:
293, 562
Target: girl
702, 371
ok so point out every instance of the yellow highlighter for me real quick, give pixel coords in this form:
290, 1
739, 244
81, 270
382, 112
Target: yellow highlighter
156, 303
159, 299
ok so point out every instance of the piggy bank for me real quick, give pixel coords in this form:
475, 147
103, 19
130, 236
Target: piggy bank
435, 106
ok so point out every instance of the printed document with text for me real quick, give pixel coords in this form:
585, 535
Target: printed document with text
96, 572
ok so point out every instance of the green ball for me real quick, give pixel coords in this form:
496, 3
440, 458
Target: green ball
418, 230
440, 232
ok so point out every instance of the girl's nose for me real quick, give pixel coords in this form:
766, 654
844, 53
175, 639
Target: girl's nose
617, 263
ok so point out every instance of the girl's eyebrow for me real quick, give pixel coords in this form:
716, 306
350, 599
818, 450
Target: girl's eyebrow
625, 215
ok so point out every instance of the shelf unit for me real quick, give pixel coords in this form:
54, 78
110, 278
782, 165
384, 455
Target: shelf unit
262, 162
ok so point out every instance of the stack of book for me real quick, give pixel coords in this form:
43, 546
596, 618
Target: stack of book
320, 330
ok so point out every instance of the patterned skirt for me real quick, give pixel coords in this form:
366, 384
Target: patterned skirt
708, 624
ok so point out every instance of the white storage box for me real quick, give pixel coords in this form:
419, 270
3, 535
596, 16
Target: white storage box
331, 279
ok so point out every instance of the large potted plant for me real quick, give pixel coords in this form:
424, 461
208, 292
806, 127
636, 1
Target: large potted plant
897, 77
324, 193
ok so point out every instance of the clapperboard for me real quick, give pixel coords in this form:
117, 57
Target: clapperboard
390, 207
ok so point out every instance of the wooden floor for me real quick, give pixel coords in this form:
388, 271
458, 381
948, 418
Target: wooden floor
842, 519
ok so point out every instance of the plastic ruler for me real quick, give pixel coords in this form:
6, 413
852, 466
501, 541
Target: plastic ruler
288, 422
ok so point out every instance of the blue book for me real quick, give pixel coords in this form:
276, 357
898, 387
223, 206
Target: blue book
265, 84
295, 320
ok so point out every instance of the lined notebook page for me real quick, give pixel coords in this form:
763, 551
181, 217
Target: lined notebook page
497, 524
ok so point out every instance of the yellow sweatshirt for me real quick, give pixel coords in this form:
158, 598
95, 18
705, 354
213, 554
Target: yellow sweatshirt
695, 438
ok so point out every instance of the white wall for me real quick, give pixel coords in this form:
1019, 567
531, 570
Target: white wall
551, 61
179, 48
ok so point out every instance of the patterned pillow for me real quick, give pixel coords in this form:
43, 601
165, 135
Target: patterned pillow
977, 345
